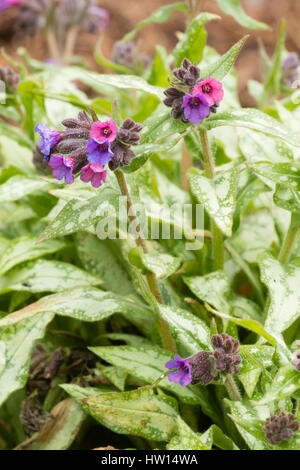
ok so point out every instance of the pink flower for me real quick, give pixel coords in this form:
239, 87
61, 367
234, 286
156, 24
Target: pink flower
211, 88
93, 173
104, 130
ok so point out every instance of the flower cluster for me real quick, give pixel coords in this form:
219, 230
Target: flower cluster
86, 146
127, 55
206, 367
191, 98
290, 69
280, 427
10, 78
34, 14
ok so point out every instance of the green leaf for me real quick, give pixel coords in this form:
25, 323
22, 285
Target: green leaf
78, 215
146, 363
215, 289
24, 249
126, 82
46, 276
217, 196
192, 44
115, 375
14, 134
139, 413
59, 433
161, 15
186, 439
282, 282
234, 9
256, 149
86, 304
222, 66
287, 198
20, 186
187, 330
95, 255
19, 340
285, 174
252, 119
251, 325
162, 265
285, 383
249, 421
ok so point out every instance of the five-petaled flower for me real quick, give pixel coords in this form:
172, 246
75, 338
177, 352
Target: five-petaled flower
49, 138
62, 168
211, 88
98, 151
94, 173
196, 107
183, 374
102, 131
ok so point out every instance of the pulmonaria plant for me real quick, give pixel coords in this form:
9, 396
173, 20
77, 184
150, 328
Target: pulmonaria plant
87, 146
280, 427
191, 98
206, 367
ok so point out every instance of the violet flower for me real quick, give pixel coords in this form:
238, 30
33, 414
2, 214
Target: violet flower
196, 108
98, 151
62, 168
94, 173
49, 138
183, 374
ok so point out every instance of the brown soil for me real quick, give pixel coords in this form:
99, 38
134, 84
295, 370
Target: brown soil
222, 34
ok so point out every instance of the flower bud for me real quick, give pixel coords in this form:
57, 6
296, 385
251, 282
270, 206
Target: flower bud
296, 360
226, 353
203, 370
280, 427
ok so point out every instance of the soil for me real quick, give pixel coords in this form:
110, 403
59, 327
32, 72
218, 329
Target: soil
221, 34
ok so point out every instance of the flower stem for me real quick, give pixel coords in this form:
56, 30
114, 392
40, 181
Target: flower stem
289, 240
70, 44
209, 171
53, 45
232, 388
151, 278
186, 164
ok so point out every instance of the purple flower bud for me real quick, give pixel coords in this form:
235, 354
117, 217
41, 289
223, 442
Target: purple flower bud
203, 371
226, 353
188, 74
70, 145
280, 427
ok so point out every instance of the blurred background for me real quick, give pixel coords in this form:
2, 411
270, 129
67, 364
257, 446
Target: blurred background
124, 14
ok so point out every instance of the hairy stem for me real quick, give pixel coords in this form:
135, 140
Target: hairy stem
232, 388
289, 240
209, 171
186, 164
151, 278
